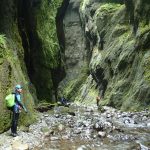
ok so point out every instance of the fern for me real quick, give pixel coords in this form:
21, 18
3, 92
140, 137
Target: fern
2, 40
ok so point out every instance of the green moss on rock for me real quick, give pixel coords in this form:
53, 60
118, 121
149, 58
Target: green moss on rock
109, 7
46, 30
46, 50
11, 74
71, 90
147, 67
12, 66
125, 56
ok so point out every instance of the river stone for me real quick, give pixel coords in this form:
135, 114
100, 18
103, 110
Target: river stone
83, 147
86, 123
46, 115
109, 115
135, 146
88, 133
127, 121
57, 115
144, 118
65, 137
61, 127
101, 134
148, 124
45, 129
143, 147
54, 138
99, 126
77, 131
17, 145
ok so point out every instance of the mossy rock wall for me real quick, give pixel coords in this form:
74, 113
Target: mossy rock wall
29, 51
12, 66
118, 36
44, 52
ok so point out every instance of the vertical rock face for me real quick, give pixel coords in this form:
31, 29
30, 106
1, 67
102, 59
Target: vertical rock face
12, 66
38, 31
75, 54
118, 37
29, 53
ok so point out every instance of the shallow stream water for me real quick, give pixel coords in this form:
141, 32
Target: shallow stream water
82, 128
86, 128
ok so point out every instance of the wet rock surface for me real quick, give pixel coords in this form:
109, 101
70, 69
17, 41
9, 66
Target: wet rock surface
86, 129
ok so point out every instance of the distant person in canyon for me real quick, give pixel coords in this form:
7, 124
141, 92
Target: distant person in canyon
100, 94
63, 101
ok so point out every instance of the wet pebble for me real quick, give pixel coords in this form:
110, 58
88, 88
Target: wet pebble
101, 134
128, 120
144, 118
148, 124
54, 138
82, 147
78, 131
61, 127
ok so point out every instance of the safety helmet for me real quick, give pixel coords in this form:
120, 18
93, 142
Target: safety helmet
18, 87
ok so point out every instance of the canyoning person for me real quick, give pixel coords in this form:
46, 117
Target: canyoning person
101, 42
16, 109
100, 94
63, 101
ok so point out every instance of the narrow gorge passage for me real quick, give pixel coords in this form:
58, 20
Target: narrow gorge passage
67, 55
73, 44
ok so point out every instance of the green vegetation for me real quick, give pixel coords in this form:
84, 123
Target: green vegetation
2, 46
46, 30
47, 53
143, 28
109, 7
12, 66
147, 69
10, 70
3, 40
5, 120
125, 58
45, 106
45, 129
70, 91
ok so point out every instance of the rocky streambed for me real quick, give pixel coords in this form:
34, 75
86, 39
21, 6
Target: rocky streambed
83, 128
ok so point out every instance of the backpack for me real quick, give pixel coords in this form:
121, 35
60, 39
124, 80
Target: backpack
10, 100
